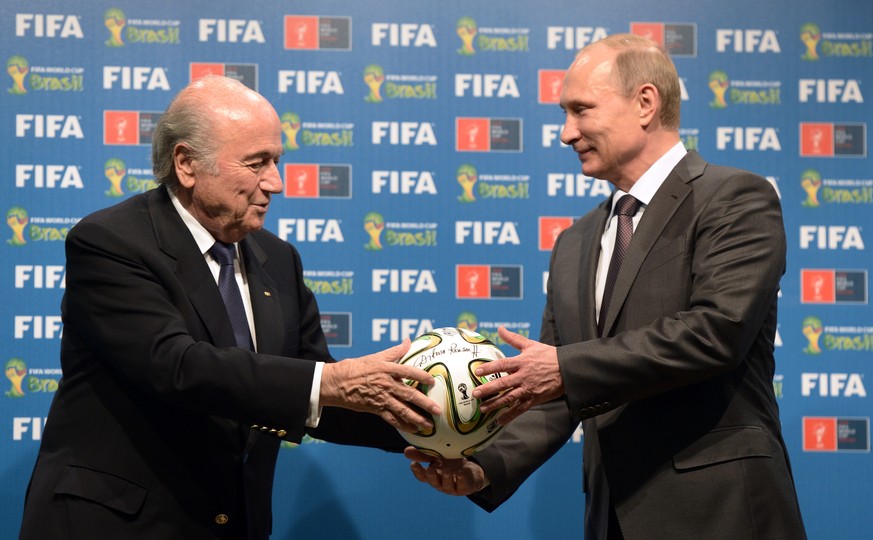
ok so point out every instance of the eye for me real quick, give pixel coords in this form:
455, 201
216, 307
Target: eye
574, 111
256, 166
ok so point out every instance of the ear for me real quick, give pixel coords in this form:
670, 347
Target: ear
649, 103
184, 165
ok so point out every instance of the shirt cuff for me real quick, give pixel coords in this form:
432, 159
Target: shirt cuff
314, 408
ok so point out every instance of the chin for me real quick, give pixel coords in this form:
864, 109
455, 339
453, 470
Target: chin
589, 171
254, 225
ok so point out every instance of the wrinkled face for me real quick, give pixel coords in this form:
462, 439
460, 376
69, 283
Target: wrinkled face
230, 197
603, 127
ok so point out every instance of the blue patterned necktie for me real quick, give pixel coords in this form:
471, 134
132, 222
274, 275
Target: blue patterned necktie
625, 209
224, 254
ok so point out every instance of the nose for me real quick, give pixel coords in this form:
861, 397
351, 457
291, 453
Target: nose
569, 133
272, 179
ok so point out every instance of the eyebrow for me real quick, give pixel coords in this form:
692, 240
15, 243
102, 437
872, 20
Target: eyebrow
573, 103
264, 154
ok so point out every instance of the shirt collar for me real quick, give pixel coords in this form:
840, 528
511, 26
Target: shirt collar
204, 240
645, 188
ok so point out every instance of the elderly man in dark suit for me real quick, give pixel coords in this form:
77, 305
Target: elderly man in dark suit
657, 332
185, 365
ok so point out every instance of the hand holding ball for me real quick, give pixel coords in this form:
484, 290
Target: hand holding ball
451, 356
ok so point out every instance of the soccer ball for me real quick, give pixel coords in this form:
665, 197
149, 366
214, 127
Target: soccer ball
451, 355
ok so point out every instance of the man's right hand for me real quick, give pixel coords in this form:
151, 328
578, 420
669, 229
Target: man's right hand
374, 384
451, 476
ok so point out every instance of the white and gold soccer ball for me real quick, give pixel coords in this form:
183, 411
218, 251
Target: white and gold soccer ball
451, 356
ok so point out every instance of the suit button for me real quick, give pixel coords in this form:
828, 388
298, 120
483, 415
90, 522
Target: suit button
222, 519
281, 433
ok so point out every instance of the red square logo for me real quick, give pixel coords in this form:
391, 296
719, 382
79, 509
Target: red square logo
202, 69
819, 434
550, 228
472, 135
653, 31
121, 127
551, 81
473, 281
818, 287
816, 140
301, 32
301, 180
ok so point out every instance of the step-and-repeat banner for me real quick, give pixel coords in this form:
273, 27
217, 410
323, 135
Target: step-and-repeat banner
424, 185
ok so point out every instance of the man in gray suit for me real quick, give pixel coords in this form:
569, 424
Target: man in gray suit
671, 374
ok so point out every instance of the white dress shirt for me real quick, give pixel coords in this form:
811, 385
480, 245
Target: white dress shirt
643, 190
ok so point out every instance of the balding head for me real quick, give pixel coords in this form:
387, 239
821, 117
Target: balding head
639, 61
192, 117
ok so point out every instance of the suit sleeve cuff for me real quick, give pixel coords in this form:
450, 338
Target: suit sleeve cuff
314, 415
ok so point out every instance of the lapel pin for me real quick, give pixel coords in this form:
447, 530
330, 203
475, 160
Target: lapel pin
268, 293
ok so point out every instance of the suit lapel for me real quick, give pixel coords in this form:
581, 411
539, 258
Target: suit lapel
589, 252
658, 213
264, 296
176, 242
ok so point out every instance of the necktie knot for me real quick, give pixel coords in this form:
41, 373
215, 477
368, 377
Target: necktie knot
223, 253
627, 206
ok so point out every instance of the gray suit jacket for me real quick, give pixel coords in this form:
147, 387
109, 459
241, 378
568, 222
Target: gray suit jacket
682, 433
149, 434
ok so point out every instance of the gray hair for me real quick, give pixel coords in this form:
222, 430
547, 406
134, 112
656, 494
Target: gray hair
188, 120
642, 61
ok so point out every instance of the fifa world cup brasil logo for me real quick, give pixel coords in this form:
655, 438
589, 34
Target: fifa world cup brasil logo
374, 224
467, 178
810, 181
290, 127
114, 169
812, 329
114, 21
373, 78
467, 32
468, 321
718, 83
810, 35
15, 372
17, 220
17, 68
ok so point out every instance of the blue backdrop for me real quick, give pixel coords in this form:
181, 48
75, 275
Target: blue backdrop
424, 184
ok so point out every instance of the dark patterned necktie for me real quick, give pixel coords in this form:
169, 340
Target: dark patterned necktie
625, 209
224, 254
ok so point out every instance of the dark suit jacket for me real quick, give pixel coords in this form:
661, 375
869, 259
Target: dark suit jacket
149, 435
681, 425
